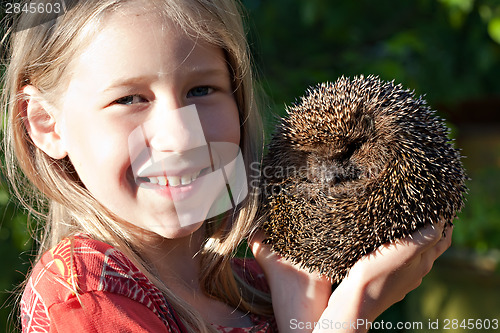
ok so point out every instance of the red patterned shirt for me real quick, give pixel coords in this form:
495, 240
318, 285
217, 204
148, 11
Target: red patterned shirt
113, 295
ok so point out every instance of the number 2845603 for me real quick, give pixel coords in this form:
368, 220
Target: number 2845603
33, 8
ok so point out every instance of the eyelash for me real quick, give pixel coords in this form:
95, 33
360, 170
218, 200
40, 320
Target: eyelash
125, 100
208, 90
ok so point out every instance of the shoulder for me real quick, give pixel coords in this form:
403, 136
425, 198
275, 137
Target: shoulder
73, 266
79, 271
77, 265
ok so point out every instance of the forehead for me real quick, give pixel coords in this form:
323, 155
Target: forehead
140, 38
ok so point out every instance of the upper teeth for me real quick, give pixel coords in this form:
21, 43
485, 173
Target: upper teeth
174, 180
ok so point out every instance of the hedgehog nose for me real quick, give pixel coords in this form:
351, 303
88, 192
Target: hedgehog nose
346, 151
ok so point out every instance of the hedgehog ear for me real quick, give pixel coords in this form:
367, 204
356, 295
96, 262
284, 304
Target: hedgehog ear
41, 124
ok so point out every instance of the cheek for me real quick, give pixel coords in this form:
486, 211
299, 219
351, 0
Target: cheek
222, 125
97, 150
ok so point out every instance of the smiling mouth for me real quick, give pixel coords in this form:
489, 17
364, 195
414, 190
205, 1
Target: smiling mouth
174, 181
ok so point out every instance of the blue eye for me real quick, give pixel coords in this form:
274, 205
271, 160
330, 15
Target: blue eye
199, 91
131, 99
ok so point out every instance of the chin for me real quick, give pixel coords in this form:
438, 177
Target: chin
178, 231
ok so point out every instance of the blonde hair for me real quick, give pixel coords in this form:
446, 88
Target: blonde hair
51, 189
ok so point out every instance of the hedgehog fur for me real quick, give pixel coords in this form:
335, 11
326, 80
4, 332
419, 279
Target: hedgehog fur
356, 164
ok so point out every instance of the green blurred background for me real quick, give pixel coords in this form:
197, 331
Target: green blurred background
447, 50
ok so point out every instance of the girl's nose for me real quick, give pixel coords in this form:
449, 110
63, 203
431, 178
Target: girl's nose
175, 130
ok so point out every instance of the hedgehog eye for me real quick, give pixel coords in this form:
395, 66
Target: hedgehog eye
350, 150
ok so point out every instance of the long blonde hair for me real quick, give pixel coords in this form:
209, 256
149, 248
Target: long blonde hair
51, 189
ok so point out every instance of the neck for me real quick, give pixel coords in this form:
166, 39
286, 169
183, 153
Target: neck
177, 261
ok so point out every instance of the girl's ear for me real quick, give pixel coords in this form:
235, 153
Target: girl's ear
41, 124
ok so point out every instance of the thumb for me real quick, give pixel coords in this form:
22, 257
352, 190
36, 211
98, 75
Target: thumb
256, 243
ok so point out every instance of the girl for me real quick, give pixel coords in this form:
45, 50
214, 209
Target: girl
121, 116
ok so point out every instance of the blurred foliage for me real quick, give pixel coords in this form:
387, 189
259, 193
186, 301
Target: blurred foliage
15, 244
448, 50
478, 226
445, 49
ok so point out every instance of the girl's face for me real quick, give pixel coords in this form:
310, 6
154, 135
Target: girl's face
144, 91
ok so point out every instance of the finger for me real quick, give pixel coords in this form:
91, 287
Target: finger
445, 242
429, 257
257, 237
428, 236
256, 243
416, 244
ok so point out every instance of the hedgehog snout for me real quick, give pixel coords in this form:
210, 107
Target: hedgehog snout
332, 171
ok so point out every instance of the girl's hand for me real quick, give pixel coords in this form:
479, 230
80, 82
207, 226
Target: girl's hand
377, 281
385, 276
298, 296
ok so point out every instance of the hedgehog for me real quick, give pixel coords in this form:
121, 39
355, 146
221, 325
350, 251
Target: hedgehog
353, 165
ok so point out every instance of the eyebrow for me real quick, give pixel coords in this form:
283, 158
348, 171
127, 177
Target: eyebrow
123, 82
130, 81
